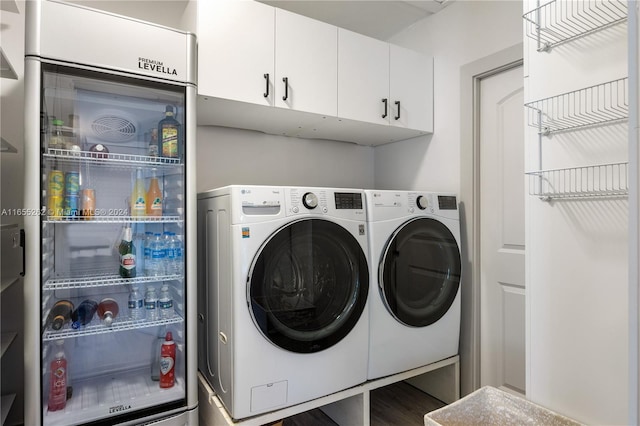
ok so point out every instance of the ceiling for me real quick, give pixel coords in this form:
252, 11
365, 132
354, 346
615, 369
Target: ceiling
376, 18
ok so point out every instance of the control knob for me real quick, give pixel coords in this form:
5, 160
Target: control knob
422, 202
310, 200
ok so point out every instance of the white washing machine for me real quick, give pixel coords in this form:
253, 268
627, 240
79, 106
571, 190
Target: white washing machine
414, 302
283, 282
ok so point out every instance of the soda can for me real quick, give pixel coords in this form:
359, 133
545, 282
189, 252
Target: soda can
71, 206
88, 203
55, 206
72, 183
56, 183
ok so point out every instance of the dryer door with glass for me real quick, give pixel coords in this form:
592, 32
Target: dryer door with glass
308, 285
419, 273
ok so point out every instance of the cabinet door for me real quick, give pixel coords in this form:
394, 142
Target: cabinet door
411, 85
307, 56
236, 50
363, 78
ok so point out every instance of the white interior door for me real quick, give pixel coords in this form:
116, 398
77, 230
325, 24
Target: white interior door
502, 198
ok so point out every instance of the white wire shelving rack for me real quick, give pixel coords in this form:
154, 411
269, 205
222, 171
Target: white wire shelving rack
598, 105
110, 159
592, 106
118, 325
102, 280
558, 22
602, 180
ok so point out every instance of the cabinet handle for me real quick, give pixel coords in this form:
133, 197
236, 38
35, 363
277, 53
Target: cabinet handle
286, 88
398, 105
385, 101
266, 78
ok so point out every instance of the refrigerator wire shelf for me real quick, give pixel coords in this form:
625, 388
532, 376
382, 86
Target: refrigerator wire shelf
124, 324
603, 180
113, 219
110, 159
605, 103
558, 22
103, 280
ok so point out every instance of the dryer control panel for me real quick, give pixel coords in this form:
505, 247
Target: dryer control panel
386, 204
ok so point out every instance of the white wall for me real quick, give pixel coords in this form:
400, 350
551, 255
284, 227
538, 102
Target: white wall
232, 156
577, 251
461, 33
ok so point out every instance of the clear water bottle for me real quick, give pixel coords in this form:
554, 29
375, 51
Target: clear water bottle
156, 262
139, 243
169, 253
179, 255
148, 237
136, 304
165, 302
151, 304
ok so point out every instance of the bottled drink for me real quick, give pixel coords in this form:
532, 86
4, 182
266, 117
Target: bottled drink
136, 304
169, 254
179, 255
60, 314
138, 196
58, 378
156, 265
84, 313
156, 349
168, 362
108, 310
165, 302
148, 237
56, 140
154, 198
127, 252
139, 244
169, 134
153, 143
151, 304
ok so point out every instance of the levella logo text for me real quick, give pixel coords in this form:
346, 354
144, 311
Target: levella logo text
157, 66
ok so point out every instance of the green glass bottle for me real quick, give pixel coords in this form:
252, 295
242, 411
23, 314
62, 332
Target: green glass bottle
127, 255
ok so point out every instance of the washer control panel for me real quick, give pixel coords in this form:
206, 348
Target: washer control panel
336, 202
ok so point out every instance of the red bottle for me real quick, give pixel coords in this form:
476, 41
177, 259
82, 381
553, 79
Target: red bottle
58, 379
168, 362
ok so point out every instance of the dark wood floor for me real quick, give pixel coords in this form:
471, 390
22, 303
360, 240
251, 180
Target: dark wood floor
397, 404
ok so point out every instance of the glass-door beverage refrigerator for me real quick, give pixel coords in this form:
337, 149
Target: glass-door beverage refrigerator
109, 229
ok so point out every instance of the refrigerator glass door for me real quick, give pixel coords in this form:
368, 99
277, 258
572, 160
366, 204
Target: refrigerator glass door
105, 179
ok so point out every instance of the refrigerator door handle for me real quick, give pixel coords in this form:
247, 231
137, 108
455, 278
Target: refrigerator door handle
23, 245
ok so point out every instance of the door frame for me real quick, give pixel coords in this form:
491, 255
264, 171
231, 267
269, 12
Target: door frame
470, 77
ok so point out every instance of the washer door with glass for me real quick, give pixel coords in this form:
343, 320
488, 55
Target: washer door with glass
420, 272
308, 285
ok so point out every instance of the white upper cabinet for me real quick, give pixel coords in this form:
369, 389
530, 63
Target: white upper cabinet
268, 69
236, 50
363, 78
306, 63
411, 89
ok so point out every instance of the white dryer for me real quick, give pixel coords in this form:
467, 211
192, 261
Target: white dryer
414, 302
283, 286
